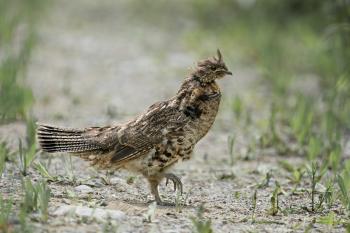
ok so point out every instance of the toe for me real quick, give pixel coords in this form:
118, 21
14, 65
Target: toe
164, 203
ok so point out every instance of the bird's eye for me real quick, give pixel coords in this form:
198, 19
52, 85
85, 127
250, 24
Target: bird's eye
213, 68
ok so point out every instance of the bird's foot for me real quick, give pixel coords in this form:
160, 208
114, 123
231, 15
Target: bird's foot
161, 203
176, 181
154, 187
165, 203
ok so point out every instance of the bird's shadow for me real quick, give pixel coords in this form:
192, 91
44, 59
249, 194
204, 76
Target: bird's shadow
165, 205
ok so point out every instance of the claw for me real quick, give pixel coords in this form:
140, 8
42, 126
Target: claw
181, 190
163, 203
154, 187
176, 181
167, 182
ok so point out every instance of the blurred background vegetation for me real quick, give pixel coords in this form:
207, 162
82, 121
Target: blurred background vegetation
289, 42
17, 36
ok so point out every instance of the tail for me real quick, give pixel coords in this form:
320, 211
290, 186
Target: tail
56, 139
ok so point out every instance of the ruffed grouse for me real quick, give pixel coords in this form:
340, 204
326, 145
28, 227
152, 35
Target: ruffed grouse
153, 141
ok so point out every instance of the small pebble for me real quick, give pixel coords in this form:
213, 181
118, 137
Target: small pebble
83, 189
117, 180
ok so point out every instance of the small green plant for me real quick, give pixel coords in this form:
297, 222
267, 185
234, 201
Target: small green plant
272, 125
71, 194
335, 157
274, 200
130, 179
44, 172
237, 107
109, 226
24, 221
3, 157
201, 225
315, 173
265, 182
36, 198
68, 165
5, 211
270, 136
345, 194
106, 178
26, 157
237, 194
44, 194
314, 148
254, 200
230, 145
27, 154
302, 120
227, 176
30, 199
329, 219
30, 132
15, 100
296, 173
327, 196
347, 227
180, 200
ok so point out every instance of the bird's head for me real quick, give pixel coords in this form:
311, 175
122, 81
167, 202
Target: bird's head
210, 69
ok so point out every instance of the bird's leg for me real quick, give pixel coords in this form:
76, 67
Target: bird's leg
176, 181
154, 182
154, 190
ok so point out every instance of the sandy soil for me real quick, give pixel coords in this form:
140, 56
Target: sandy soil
96, 63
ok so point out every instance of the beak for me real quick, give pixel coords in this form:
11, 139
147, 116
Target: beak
228, 72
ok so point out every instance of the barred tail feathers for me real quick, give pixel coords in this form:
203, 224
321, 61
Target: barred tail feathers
58, 139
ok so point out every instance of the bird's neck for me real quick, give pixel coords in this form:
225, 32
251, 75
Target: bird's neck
203, 80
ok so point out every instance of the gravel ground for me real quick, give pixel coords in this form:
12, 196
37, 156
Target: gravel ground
96, 63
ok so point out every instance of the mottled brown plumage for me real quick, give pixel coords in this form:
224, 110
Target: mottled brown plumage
150, 143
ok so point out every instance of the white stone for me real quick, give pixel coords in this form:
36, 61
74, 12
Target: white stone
320, 188
63, 210
117, 180
96, 213
83, 189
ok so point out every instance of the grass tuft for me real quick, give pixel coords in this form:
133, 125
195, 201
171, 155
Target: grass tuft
201, 225
5, 212
36, 198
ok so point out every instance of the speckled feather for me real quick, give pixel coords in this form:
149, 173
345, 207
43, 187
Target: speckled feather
166, 127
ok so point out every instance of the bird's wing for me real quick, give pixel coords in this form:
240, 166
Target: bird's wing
141, 135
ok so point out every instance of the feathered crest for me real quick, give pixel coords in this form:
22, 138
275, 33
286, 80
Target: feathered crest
211, 61
219, 59
211, 68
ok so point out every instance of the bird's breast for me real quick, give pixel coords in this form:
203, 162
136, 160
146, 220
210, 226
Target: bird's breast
204, 112
205, 121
